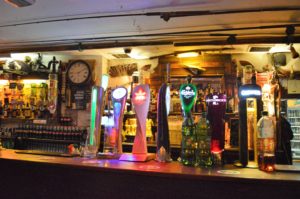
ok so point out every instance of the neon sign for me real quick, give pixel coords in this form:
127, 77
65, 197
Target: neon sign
215, 100
250, 92
118, 93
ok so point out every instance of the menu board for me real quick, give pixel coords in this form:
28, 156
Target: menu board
81, 97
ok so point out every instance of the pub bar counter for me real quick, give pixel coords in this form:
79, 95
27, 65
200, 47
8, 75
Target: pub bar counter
37, 176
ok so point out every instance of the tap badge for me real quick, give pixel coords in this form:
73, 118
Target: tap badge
139, 97
216, 99
187, 92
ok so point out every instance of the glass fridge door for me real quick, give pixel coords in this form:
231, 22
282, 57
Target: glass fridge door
293, 115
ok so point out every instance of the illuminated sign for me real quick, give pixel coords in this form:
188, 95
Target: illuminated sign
168, 100
139, 96
187, 92
250, 92
215, 100
118, 93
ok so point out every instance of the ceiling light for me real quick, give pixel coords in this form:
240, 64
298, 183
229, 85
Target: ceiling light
137, 55
21, 56
20, 3
187, 54
280, 49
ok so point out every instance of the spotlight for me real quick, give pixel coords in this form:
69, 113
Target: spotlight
80, 47
290, 30
127, 50
165, 16
231, 39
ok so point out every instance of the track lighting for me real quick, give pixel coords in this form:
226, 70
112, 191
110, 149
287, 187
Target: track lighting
165, 16
80, 47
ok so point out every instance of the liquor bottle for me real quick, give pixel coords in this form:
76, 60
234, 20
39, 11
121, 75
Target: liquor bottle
1, 109
203, 133
14, 110
266, 143
27, 112
188, 95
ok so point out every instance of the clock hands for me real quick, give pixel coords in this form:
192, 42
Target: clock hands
81, 71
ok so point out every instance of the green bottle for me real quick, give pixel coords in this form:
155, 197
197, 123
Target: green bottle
203, 133
188, 95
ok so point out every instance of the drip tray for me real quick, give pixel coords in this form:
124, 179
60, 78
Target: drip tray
36, 152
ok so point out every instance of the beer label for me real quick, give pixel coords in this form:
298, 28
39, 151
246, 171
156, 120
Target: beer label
265, 128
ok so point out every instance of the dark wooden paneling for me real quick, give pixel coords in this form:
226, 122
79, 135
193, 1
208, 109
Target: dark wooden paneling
33, 177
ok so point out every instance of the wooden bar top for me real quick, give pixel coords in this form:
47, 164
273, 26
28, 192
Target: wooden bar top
38, 176
173, 169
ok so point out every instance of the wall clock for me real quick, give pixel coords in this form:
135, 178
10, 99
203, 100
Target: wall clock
79, 72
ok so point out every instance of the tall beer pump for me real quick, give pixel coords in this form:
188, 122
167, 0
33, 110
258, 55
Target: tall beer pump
250, 107
188, 96
140, 100
163, 139
53, 84
216, 108
119, 96
93, 137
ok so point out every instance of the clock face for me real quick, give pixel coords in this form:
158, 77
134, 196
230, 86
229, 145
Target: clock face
79, 72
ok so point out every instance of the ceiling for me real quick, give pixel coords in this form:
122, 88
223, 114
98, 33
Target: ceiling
150, 27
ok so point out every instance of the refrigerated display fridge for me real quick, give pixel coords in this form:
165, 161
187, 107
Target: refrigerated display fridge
293, 116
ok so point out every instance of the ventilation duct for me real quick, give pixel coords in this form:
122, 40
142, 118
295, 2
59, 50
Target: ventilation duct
259, 49
121, 56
